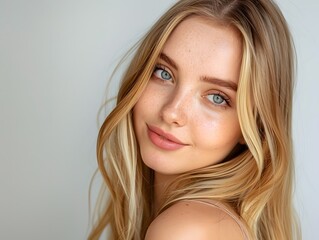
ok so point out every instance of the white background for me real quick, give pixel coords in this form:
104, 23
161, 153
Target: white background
55, 58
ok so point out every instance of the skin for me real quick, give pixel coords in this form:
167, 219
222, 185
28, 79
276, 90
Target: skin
185, 105
192, 220
186, 119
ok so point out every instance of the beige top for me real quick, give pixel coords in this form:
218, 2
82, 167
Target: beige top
225, 209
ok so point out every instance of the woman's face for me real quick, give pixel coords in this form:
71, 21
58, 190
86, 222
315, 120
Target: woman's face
186, 118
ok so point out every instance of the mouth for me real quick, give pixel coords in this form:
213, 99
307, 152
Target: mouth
164, 140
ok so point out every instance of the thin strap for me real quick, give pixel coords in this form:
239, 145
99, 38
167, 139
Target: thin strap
226, 210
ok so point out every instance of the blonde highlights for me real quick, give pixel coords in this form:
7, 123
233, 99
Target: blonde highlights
257, 180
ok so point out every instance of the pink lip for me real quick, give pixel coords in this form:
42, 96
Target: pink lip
164, 140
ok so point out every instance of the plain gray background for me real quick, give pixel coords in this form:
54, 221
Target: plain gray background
55, 58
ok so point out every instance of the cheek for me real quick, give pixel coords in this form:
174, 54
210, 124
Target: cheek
217, 130
151, 102
150, 97
147, 105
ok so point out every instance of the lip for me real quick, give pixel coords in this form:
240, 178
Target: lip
164, 140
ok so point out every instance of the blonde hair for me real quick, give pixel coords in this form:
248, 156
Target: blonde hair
257, 181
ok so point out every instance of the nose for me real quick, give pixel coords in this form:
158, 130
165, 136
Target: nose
175, 110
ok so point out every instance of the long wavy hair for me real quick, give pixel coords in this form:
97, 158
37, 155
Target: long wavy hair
257, 181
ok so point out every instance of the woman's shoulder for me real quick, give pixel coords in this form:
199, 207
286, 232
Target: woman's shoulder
189, 219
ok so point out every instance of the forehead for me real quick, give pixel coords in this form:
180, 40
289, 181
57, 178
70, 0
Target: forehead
197, 29
206, 46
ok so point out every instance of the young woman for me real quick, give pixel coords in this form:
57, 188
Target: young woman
199, 143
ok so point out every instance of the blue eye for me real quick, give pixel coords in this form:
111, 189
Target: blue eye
161, 73
217, 99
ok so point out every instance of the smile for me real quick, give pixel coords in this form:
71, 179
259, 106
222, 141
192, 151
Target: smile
163, 140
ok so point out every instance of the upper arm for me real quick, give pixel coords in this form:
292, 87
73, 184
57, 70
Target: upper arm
191, 220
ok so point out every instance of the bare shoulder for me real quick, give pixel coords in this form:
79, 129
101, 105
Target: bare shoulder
193, 220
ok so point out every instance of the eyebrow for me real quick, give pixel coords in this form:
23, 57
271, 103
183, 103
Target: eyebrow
168, 60
223, 83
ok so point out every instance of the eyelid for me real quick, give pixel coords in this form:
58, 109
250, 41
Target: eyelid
161, 66
165, 68
223, 95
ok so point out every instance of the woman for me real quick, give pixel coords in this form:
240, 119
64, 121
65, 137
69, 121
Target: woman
199, 143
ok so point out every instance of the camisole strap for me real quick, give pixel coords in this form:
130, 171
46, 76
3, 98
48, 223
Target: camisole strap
225, 209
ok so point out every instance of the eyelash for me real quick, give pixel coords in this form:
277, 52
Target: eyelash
224, 104
163, 69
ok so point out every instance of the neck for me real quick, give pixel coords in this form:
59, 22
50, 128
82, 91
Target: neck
161, 182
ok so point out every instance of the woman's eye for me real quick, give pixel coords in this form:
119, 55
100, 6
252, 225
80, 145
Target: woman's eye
217, 99
162, 73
